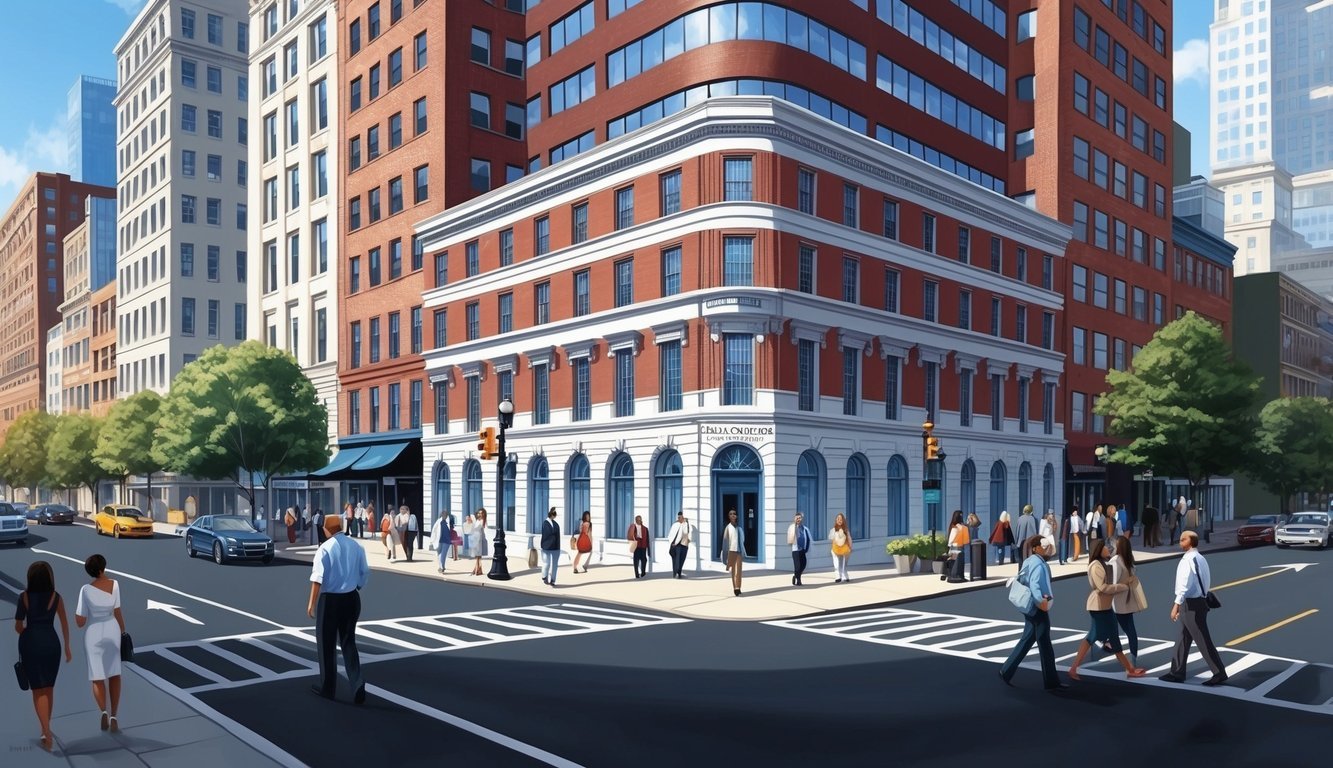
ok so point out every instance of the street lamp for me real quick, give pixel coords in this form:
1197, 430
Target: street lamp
499, 563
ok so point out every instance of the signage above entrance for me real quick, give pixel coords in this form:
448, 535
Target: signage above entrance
736, 433
734, 301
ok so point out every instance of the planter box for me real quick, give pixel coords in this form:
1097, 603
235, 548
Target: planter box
903, 563
937, 566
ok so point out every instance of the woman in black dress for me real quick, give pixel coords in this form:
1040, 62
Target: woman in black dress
39, 648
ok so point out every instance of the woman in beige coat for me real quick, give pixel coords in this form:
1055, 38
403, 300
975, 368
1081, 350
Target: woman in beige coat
1100, 606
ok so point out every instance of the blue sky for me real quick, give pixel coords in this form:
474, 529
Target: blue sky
47, 44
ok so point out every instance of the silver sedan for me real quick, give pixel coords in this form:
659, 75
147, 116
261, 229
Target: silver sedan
1305, 529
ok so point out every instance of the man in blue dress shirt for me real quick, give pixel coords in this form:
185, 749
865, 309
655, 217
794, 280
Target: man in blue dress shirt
1190, 610
339, 572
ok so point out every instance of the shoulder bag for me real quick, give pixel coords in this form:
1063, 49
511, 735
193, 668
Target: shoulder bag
1213, 602
126, 648
1020, 595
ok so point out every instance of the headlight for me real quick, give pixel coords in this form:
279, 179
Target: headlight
229, 541
1266, 530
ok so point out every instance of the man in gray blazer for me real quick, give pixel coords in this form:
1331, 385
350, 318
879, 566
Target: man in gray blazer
550, 547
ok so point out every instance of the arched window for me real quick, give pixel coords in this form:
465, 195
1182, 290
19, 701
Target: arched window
442, 496
619, 496
668, 491
898, 524
539, 492
968, 488
858, 505
578, 491
511, 496
737, 458
999, 491
810, 492
1025, 485
1048, 487
472, 487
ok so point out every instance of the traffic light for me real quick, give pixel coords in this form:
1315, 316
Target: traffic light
487, 446
932, 443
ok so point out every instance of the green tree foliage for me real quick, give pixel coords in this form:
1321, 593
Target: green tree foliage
248, 408
1293, 449
71, 458
1187, 407
126, 444
23, 455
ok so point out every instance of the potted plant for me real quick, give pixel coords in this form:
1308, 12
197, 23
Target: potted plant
904, 553
933, 550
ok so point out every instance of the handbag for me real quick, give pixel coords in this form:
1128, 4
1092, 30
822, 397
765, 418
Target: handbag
633, 546
21, 672
1212, 600
840, 545
455, 538
573, 542
126, 648
1138, 601
1020, 595
532, 557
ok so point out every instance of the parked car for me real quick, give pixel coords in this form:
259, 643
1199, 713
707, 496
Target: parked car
52, 514
13, 524
23, 509
121, 520
1259, 530
227, 537
1303, 529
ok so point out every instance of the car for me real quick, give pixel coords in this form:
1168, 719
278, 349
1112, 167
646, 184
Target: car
13, 524
1303, 529
227, 537
23, 509
1259, 529
123, 520
52, 514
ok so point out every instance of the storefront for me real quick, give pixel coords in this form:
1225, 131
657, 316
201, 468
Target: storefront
383, 469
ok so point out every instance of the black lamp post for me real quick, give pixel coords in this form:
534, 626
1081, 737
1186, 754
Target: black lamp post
499, 563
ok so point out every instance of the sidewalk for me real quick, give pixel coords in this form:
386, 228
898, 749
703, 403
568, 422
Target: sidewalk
766, 594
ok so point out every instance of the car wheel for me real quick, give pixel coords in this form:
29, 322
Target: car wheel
116, 532
189, 546
218, 556
267, 559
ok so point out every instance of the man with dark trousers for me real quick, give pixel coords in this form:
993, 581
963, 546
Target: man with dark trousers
798, 536
550, 547
638, 533
336, 578
679, 541
1193, 580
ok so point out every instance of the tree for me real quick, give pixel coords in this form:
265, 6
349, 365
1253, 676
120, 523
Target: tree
23, 455
126, 443
248, 408
1187, 407
1293, 449
71, 458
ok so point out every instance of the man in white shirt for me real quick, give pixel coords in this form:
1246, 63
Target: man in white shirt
410, 537
733, 550
679, 538
798, 536
1190, 609
339, 572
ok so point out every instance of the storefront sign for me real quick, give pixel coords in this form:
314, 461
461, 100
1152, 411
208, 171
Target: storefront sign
290, 485
736, 433
734, 301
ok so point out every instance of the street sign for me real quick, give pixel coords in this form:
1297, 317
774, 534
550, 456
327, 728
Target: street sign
932, 495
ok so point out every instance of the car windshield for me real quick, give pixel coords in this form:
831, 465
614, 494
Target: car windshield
232, 524
1263, 519
58, 509
133, 514
6, 509
1308, 520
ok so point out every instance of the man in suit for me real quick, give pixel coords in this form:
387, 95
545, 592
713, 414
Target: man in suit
550, 547
336, 578
1190, 609
679, 539
798, 536
638, 533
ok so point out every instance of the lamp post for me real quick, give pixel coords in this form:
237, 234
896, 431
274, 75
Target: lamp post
499, 563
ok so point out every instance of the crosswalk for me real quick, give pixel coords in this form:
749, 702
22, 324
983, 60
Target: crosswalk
1257, 677
235, 661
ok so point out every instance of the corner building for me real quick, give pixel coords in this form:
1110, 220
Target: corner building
742, 306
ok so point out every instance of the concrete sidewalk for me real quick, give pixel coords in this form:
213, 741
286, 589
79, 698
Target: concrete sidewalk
766, 594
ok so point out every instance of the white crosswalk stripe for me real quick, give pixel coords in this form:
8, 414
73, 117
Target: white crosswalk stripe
1257, 677
239, 660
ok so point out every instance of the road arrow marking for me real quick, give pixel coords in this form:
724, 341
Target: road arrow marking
154, 605
1293, 567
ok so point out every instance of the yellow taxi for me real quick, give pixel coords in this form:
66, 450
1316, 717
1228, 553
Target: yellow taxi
121, 520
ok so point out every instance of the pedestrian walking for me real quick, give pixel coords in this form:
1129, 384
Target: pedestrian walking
798, 536
358, 520
481, 547
639, 541
550, 547
387, 537
1131, 601
1001, 537
371, 519
840, 544
261, 521
679, 544
1173, 515
339, 572
307, 522
441, 539
1191, 521
1112, 525
1096, 521
1122, 522
1077, 530
98, 614
410, 529
1025, 527
39, 649
1035, 574
958, 541
349, 518
1151, 527
733, 550
1046, 529
318, 521
289, 521
1103, 630
581, 542
1194, 599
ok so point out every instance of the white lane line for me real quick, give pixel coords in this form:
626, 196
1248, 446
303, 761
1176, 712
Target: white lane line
923, 625
460, 628
401, 627
1236, 667
514, 625
1012, 632
373, 635
1193, 657
916, 639
261, 644
882, 621
181, 661
1262, 691
616, 612
238, 660
173, 591
536, 753
550, 618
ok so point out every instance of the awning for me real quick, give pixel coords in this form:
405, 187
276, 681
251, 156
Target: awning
378, 456
345, 458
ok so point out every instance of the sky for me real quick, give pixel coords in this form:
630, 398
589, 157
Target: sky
47, 44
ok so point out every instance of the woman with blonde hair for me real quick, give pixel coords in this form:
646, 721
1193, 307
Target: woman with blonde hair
840, 543
39, 649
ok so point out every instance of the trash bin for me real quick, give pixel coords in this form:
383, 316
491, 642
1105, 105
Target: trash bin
978, 560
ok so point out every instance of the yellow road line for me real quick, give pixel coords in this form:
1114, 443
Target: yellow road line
1252, 578
1283, 623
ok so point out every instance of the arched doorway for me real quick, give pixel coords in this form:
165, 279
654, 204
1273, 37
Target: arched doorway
442, 493
619, 496
738, 483
1025, 486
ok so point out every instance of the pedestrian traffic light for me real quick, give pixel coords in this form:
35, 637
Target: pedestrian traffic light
930, 442
487, 446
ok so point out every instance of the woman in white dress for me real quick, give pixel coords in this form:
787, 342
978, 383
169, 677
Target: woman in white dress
480, 546
98, 613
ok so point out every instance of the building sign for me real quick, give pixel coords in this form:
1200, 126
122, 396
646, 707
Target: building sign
290, 485
736, 433
734, 301
931, 495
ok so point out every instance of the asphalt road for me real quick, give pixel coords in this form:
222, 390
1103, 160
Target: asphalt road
512, 679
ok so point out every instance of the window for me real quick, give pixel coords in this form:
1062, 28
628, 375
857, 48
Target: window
395, 195
473, 321
395, 334
480, 112
851, 389
395, 258
805, 190
1047, 330
1099, 350
395, 67
542, 235
582, 390
421, 119
421, 184
997, 255
472, 258
356, 344
395, 130
1080, 93
624, 282
1081, 158
624, 207
440, 319
1080, 283
541, 394
541, 299
891, 280
187, 23
995, 327
930, 295
373, 203
738, 369
965, 310
374, 339
1026, 26
669, 191
187, 259
805, 279
214, 124
996, 402
514, 120
805, 374
187, 208
738, 172
891, 219
373, 22
738, 261
965, 397
964, 243
318, 39
1099, 290
892, 394
624, 404
188, 73
571, 27
582, 299
928, 232
1021, 324
187, 316
374, 87
215, 79
355, 94
850, 203
481, 175
514, 57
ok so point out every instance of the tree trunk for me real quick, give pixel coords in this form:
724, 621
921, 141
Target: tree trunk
150, 494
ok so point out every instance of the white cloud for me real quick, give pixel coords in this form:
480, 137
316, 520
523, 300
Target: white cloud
43, 149
130, 7
1190, 62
